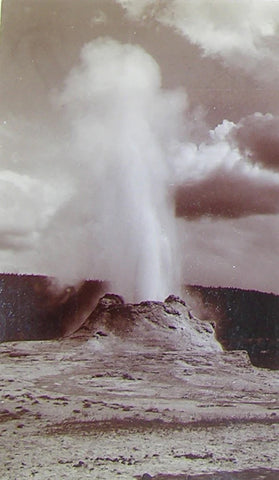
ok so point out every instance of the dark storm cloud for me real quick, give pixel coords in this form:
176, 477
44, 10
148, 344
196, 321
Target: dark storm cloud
257, 138
227, 194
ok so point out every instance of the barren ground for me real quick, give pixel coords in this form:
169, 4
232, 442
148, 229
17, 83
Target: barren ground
104, 409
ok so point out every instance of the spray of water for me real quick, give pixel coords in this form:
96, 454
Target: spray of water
122, 128
93, 190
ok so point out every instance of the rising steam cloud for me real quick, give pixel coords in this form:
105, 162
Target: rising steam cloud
119, 121
112, 216
97, 192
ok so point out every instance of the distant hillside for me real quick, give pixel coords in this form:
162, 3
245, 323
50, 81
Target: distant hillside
245, 320
33, 308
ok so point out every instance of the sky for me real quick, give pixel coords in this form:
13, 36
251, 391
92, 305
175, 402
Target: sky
139, 143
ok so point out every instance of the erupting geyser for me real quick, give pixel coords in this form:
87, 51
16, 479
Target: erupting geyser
123, 128
110, 171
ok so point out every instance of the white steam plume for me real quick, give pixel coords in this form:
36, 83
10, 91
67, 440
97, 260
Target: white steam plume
92, 194
122, 130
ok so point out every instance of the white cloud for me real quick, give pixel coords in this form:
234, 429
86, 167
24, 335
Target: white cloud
136, 9
242, 32
26, 203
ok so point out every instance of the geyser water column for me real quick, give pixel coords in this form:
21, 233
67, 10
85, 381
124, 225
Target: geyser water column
120, 128
87, 138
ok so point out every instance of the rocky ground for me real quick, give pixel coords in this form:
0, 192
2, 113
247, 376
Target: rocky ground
104, 406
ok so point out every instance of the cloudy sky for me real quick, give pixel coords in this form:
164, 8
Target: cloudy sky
139, 142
